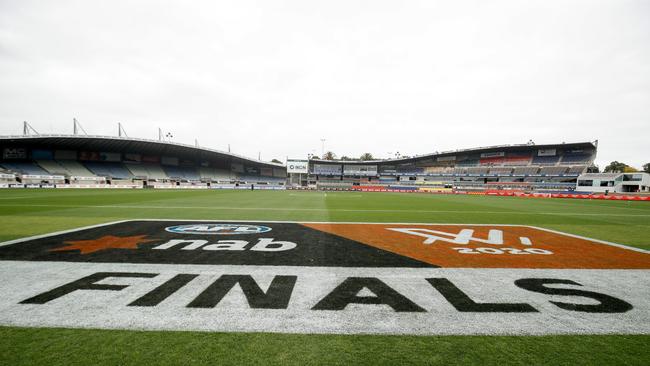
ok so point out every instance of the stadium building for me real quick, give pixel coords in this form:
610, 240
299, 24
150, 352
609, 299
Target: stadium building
514, 167
614, 182
121, 162
82, 161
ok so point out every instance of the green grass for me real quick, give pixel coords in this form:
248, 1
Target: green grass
89, 347
30, 212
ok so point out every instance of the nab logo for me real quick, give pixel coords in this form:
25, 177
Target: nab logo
218, 229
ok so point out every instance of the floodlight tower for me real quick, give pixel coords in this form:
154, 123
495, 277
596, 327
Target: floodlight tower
120, 130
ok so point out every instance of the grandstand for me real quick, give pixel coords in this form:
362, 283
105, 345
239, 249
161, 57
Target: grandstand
127, 162
526, 167
103, 161
25, 168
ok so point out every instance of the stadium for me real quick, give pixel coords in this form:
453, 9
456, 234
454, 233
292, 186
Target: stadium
82, 161
101, 161
322, 249
531, 167
324, 183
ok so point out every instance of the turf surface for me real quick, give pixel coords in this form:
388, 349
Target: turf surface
32, 212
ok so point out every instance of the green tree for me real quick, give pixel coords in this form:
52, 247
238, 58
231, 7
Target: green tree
276, 161
593, 169
366, 156
346, 158
646, 167
329, 156
615, 167
629, 169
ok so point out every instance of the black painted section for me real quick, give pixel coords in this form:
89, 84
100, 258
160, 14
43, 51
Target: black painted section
314, 248
160, 293
464, 303
86, 283
347, 293
276, 297
608, 304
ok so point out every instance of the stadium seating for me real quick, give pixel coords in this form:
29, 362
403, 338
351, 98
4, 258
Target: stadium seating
577, 169
501, 171
25, 168
53, 167
75, 168
553, 170
147, 171
468, 162
492, 161
525, 170
409, 170
438, 170
545, 160
186, 173
477, 170
215, 174
516, 160
112, 170
576, 158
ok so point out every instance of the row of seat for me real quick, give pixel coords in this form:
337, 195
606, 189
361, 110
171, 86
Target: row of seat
523, 170
114, 170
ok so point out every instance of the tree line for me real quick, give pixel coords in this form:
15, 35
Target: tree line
332, 156
619, 167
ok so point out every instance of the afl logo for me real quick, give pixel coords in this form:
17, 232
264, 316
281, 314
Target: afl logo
218, 229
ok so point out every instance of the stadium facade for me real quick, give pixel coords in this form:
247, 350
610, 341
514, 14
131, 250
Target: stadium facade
529, 166
123, 162
638, 182
105, 161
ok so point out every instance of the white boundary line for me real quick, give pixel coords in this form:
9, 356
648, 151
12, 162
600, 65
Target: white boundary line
15, 241
20, 240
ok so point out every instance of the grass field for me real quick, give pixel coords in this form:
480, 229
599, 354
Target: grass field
31, 212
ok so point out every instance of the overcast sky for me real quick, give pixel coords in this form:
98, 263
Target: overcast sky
367, 76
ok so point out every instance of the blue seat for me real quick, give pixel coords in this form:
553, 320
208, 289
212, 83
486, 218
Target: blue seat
25, 168
545, 160
187, 173
112, 170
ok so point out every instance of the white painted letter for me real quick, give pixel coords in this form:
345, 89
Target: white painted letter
193, 244
227, 245
268, 245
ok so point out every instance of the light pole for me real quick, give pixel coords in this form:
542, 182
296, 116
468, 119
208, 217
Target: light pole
322, 148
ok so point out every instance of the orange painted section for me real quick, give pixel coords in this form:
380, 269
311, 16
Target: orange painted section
565, 251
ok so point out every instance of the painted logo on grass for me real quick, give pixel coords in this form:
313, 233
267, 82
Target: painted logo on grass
325, 278
218, 229
328, 245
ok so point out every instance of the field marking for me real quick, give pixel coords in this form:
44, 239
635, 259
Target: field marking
322, 209
19, 240
17, 197
307, 195
110, 309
